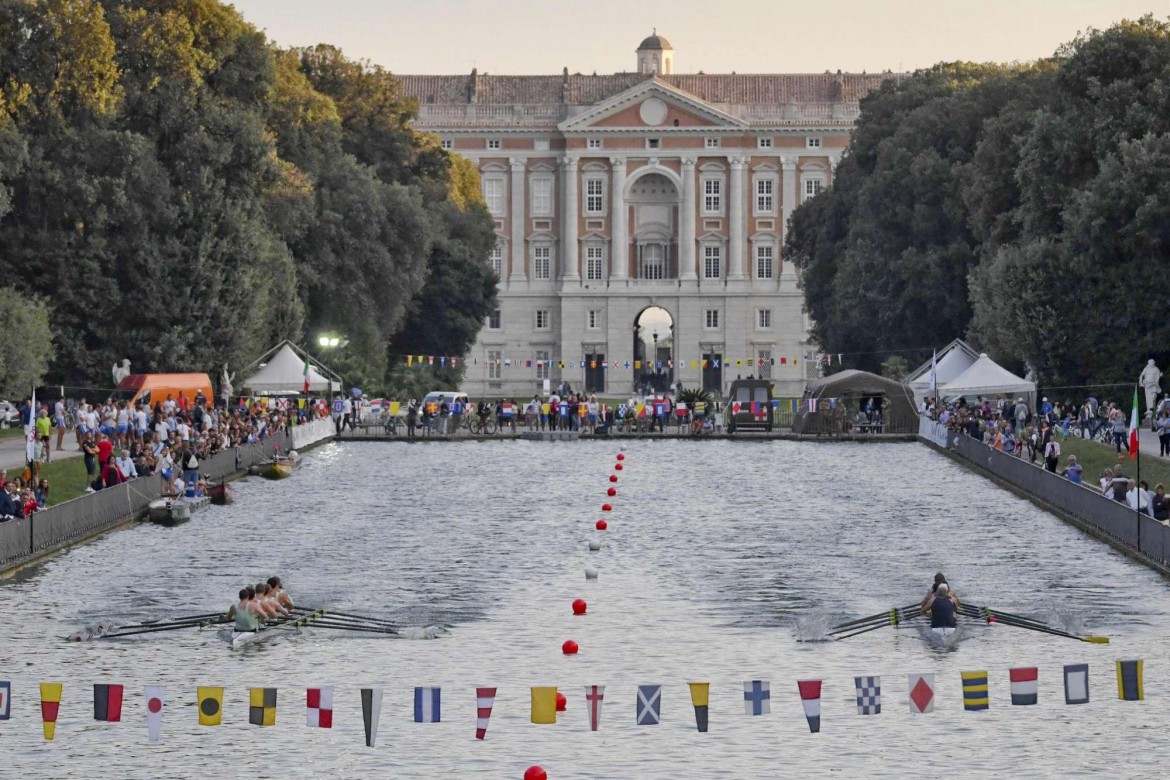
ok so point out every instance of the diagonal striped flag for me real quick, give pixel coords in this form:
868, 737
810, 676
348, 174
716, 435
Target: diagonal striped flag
426, 705
485, 698
649, 705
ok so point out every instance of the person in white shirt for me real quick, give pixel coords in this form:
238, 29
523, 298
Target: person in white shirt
183, 430
141, 423
1138, 499
126, 465
59, 421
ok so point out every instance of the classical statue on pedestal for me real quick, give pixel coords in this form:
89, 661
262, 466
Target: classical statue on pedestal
1151, 382
121, 371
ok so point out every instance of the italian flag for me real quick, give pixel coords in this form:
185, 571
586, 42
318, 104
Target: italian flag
1133, 427
306, 388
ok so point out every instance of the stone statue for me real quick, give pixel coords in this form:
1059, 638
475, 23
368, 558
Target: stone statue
121, 371
1151, 381
225, 383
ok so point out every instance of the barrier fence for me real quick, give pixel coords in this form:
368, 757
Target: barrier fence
1139, 533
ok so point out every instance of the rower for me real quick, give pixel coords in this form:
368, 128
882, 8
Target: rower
244, 617
280, 593
939, 579
942, 608
271, 606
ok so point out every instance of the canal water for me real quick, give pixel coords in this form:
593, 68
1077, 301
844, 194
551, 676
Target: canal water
719, 559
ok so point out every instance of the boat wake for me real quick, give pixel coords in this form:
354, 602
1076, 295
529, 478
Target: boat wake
814, 627
422, 632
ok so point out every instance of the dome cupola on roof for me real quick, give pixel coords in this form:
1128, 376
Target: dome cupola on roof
655, 55
656, 42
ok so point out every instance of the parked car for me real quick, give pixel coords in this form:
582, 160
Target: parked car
9, 415
749, 406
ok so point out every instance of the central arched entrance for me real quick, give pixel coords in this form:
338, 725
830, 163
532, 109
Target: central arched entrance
655, 199
653, 350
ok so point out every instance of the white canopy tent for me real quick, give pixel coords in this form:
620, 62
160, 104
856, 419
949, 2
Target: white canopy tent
986, 377
284, 374
952, 360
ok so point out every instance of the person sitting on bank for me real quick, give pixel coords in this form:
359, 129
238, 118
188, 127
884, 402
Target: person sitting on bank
1137, 498
10, 506
126, 465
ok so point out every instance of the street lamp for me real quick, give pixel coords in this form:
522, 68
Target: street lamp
331, 342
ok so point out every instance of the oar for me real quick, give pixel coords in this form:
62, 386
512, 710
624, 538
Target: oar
350, 627
327, 622
987, 614
190, 622
1098, 640
862, 631
884, 620
364, 618
150, 630
882, 617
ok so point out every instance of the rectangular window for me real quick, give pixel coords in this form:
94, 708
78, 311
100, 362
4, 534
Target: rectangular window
594, 263
595, 196
493, 143
540, 144
653, 143
765, 195
712, 261
813, 143
764, 261
593, 321
495, 359
711, 321
447, 143
763, 143
542, 197
496, 260
493, 194
652, 261
594, 143
763, 319
494, 320
542, 321
712, 196
811, 188
542, 364
711, 143
541, 262
764, 364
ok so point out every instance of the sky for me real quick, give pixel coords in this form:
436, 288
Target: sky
714, 36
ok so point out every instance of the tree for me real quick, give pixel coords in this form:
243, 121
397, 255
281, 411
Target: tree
895, 367
26, 343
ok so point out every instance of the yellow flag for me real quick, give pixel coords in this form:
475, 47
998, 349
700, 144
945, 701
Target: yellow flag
694, 364
699, 691
544, 705
50, 705
210, 706
394, 407
637, 364
262, 706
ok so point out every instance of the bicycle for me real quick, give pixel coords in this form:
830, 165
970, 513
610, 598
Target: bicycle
478, 426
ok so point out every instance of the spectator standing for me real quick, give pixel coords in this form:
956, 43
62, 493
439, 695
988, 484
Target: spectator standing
1073, 471
1118, 426
1160, 505
1051, 453
1163, 427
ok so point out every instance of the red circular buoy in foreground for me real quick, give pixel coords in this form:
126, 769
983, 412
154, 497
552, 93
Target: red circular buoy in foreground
611, 492
613, 477
535, 773
569, 647
562, 702
579, 606
621, 456
606, 508
602, 525
618, 467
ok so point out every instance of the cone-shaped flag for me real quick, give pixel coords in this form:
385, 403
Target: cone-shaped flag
810, 697
649, 705
1076, 684
921, 692
594, 696
484, 699
544, 704
319, 708
107, 702
869, 695
1025, 684
371, 709
1133, 427
156, 696
5, 699
305, 384
426, 705
50, 705
1129, 681
699, 695
262, 706
210, 706
975, 690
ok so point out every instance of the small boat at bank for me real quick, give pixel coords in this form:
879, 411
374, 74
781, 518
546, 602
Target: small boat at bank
221, 494
169, 511
281, 466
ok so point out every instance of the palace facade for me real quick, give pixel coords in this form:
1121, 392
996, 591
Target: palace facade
617, 196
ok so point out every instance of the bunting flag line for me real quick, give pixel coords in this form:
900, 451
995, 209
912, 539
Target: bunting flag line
50, 706
210, 705
810, 699
1076, 684
544, 704
262, 706
371, 709
5, 699
921, 693
594, 697
700, 691
975, 690
1129, 680
869, 695
1025, 685
156, 696
426, 705
485, 698
649, 705
319, 707
107, 702
757, 697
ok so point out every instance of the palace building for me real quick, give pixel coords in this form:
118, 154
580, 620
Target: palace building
640, 219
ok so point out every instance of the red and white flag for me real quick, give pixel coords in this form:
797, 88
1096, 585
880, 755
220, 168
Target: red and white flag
1133, 426
156, 697
484, 699
319, 711
921, 693
810, 699
594, 696
1025, 684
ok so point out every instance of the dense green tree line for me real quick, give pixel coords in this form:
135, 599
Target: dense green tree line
1026, 207
180, 192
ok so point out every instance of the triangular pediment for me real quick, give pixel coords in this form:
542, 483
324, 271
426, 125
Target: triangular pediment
651, 105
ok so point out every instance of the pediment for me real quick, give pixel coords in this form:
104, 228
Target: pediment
651, 105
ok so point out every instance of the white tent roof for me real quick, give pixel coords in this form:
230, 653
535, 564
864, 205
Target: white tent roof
284, 374
986, 377
953, 359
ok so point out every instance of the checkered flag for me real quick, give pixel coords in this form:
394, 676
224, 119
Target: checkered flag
869, 695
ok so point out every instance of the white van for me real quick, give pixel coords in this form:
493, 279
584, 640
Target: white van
438, 397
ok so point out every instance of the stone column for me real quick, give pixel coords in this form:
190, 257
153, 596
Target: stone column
569, 215
735, 219
619, 248
788, 192
686, 238
518, 209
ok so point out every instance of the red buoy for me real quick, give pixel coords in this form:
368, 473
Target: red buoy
617, 467
579, 606
613, 477
602, 525
611, 492
569, 647
621, 456
562, 702
606, 508
535, 773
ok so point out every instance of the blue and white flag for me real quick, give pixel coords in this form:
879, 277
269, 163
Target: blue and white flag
1076, 684
649, 705
5, 699
757, 697
869, 695
426, 705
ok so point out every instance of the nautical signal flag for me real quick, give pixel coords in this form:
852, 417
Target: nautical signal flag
485, 698
1076, 684
975, 690
544, 704
107, 702
594, 697
5, 699
319, 708
371, 709
155, 700
810, 698
921, 693
262, 706
210, 705
649, 705
426, 705
869, 695
1129, 681
50, 706
700, 692
757, 697
1025, 684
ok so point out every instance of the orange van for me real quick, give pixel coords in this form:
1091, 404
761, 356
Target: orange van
154, 388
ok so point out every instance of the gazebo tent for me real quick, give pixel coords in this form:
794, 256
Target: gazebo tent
985, 377
952, 360
284, 373
900, 415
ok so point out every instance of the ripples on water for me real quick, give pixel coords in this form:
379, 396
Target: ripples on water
720, 555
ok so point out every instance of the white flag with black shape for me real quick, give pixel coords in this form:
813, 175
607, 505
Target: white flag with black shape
869, 695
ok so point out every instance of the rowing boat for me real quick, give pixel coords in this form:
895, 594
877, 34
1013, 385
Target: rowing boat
237, 639
169, 511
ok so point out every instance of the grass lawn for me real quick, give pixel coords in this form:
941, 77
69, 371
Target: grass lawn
9, 432
66, 479
1096, 457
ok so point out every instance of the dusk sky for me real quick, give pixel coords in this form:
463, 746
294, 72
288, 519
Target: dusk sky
762, 36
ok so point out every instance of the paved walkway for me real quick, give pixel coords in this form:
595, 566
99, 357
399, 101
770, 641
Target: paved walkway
12, 450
